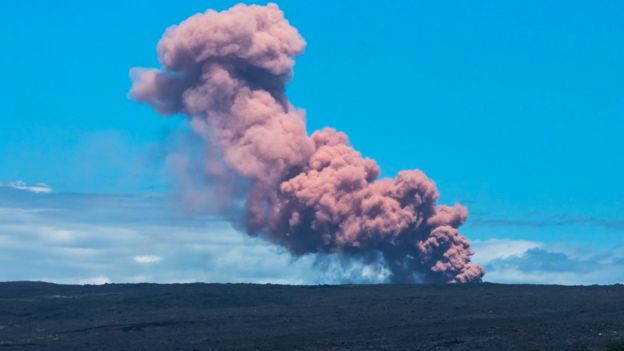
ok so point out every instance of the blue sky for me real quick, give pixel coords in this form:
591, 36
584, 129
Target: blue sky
514, 109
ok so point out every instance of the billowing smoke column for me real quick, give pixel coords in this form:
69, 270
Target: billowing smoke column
227, 71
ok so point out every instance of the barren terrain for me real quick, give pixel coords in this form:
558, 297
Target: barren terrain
42, 316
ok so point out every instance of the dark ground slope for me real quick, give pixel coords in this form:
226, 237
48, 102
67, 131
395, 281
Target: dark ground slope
38, 316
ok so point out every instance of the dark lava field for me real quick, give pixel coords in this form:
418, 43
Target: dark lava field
42, 316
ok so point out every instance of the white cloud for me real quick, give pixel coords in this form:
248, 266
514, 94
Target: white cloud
147, 259
138, 279
557, 263
57, 234
64, 238
98, 280
517, 275
495, 249
39, 188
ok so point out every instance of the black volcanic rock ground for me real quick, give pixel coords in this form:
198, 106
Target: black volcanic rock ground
41, 316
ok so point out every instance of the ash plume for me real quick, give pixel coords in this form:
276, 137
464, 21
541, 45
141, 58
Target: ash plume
227, 72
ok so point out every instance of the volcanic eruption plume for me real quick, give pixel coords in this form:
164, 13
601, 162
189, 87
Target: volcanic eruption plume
227, 72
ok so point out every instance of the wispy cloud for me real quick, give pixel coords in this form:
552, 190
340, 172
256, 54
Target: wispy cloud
517, 261
147, 259
99, 238
99, 280
548, 221
38, 188
487, 251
